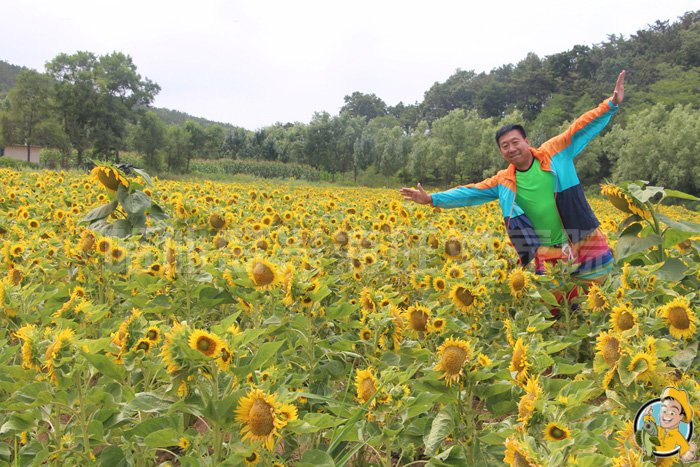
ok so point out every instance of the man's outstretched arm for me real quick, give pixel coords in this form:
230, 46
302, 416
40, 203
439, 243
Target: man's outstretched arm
619, 93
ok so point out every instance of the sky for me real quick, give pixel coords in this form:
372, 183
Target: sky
258, 62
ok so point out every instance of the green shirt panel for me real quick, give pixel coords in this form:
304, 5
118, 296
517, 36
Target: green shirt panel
535, 195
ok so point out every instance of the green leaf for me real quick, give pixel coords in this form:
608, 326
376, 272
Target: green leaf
136, 203
318, 458
102, 212
630, 245
683, 225
644, 194
673, 269
121, 228
106, 366
144, 175
685, 357
680, 194
442, 426
113, 456
162, 438
17, 423
157, 212
674, 237
265, 353
148, 402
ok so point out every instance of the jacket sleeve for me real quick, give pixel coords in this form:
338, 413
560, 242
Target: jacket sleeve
467, 195
582, 131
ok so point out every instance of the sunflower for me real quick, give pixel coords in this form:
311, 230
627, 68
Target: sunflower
104, 246
207, 343
143, 344
418, 318
152, 334
608, 347
555, 432
109, 177
31, 356
596, 300
645, 364
366, 334
367, 302
462, 297
516, 455
369, 259
263, 273
439, 284
341, 238
622, 318
259, 414
217, 221
438, 324
60, 349
526, 406
287, 413
517, 282
623, 201
519, 363
453, 271
253, 459
453, 248
118, 253
366, 384
172, 357
679, 318
454, 354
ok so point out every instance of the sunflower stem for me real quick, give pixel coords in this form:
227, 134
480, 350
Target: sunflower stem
83, 416
215, 425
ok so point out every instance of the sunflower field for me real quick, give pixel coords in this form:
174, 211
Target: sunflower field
199, 323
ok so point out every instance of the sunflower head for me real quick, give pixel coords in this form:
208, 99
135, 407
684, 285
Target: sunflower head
556, 432
366, 384
110, 177
462, 297
680, 318
418, 318
454, 354
623, 318
208, 343
519, 362
259, 414
517, 282
453, 248
263, 273
609, 347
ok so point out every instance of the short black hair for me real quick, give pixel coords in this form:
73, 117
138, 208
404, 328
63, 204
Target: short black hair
510, 127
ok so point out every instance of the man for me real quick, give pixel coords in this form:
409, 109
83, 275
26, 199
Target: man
675, 408
546, 214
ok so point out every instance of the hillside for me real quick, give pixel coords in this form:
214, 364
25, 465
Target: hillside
8, 73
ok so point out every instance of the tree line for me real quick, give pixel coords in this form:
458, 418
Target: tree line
101, 104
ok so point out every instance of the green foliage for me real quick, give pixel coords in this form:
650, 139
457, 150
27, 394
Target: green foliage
264, 169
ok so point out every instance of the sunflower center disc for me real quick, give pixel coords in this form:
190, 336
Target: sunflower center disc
261, 419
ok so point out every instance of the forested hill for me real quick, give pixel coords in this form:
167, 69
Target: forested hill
8, 73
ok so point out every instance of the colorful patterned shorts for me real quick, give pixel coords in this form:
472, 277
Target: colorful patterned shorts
592, 254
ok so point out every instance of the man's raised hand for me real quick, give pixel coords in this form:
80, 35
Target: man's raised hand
619, 93
418, 195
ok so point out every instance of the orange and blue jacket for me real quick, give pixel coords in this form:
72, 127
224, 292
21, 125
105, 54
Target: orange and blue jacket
556, 156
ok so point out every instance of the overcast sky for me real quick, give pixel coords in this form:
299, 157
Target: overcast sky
254, 63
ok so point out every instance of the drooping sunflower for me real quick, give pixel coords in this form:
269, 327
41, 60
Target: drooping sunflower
60, 349
366, 384
608, 346
87, 241
622, 318
110, 177
517, 282
31, 355
259, 414
556, 432
208, 343
367, 302
263, 273
453, 248
516, 455
217, 221
462, 297
526, 406
679, 317
519, 362
173, 358
454, 354
623, 201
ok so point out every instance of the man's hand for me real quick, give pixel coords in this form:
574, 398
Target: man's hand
690, 453
619, 93
419, 195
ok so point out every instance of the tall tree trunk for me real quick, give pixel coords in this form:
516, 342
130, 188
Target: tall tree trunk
29, 152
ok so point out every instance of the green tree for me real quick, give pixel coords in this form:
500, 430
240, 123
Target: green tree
195, 141
121, 91
178, 147
367, 106
214, 141
28, 119
149, 136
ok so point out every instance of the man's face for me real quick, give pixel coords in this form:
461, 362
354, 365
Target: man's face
670, 416
516, 149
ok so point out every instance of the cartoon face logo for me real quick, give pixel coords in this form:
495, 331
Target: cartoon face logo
663, 427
